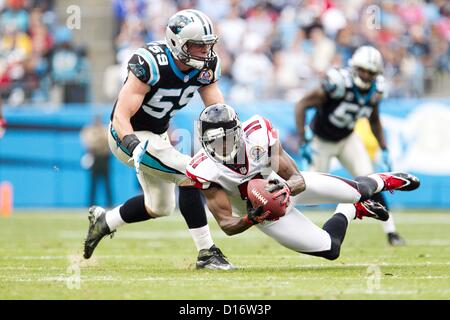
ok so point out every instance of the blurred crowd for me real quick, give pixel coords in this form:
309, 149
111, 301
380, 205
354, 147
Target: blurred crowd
280, 48
38, 61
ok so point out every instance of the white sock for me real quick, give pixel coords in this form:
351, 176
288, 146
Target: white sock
202, 237
389, 225
379, 181
113, 218
347, 209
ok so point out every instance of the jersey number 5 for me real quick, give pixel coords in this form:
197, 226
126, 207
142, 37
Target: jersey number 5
174, 100
345, 115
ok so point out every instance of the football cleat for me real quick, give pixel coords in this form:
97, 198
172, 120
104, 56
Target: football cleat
213, 259
371, 209
399, 181
395, 239
97, 230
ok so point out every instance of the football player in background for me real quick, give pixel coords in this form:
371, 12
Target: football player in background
232, 154
343, 97
162, 78
2, 120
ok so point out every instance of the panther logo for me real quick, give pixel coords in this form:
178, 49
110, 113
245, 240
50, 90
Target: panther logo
178, 23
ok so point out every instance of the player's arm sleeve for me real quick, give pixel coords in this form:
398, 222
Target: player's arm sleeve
144, 66
272, 133
334, 84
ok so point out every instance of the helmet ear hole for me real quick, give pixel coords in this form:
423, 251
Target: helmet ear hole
173, 42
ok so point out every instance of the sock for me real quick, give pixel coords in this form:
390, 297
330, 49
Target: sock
366, 187
192, 208
380, 182
389, 225
336, 227
201, 237
348, 210
113, 218
193, 211
134, 210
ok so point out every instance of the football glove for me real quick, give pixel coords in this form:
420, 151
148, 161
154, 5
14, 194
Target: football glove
386, 160
256, 215
138, 154
306, 152
279, 188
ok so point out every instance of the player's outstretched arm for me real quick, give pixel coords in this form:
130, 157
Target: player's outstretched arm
286, 168
313, 99
219, 204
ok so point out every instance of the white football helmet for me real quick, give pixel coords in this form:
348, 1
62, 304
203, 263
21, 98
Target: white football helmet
190, 26
367, 58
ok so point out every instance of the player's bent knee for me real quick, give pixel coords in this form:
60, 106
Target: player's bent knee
162, 211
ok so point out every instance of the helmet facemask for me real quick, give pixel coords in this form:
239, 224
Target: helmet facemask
198, 62
223, 142
363, 82
366, 64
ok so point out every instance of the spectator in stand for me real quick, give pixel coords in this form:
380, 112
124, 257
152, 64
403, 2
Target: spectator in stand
69, 68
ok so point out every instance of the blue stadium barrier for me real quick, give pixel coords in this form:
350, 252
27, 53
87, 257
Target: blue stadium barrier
41, 151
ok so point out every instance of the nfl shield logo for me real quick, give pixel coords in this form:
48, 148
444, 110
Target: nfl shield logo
205, 76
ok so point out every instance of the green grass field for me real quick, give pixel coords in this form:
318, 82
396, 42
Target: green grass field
40, 258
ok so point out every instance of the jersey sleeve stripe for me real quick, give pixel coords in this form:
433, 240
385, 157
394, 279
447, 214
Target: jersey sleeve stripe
253, 129
251, 124
199, 183
152, 63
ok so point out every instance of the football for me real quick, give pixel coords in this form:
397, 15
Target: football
259, 196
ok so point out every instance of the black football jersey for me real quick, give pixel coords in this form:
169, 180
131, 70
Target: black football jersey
170, 89
345, 104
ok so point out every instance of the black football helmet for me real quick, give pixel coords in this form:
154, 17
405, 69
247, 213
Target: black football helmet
220, 132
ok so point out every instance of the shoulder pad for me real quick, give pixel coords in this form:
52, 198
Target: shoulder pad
260, 130
334, 83
144, 66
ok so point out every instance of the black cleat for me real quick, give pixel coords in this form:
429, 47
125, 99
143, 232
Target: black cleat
97, 230
213, 259
395, 239
399, 181
372, 209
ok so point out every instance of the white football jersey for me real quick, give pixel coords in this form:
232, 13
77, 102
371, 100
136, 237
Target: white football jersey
259, 137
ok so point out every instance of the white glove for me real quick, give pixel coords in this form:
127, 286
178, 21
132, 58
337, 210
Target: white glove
138, 154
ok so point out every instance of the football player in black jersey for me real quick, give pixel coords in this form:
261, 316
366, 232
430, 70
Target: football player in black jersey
163, 76
344, 96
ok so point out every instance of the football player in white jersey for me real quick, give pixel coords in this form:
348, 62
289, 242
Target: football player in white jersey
235, 153
163, 76
344, 96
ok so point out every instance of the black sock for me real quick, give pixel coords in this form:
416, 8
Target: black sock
134, 210
379, 197
366, 186
192, 208
336, 227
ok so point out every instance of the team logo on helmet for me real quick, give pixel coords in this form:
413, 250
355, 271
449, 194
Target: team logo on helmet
178, 23
257, 152
205, 76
